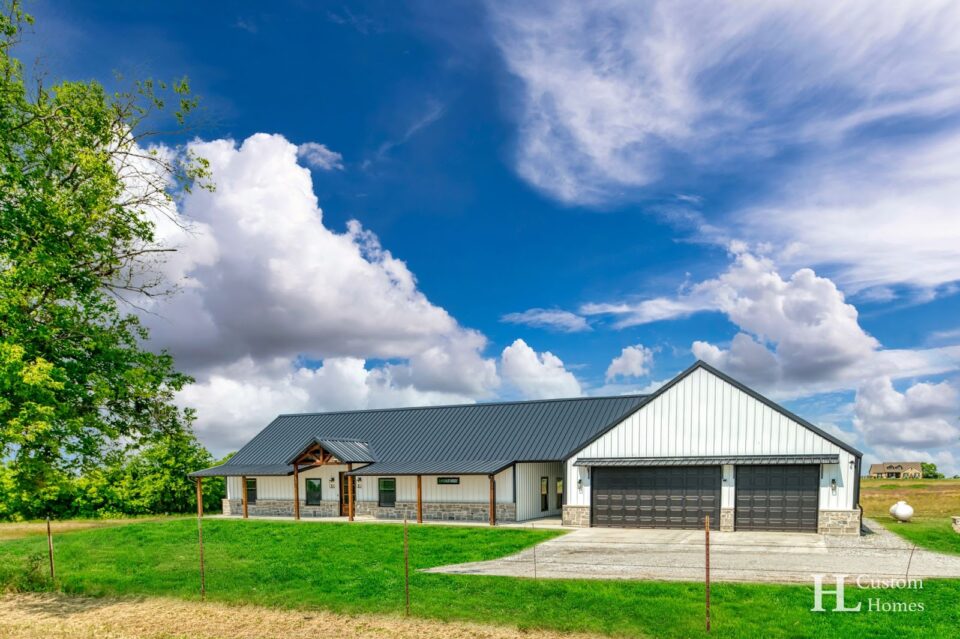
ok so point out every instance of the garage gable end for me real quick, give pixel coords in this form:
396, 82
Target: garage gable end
703, 412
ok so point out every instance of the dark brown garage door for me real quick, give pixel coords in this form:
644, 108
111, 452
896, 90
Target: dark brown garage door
777, 498
656, 497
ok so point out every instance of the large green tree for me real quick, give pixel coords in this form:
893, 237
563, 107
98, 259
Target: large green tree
81, 189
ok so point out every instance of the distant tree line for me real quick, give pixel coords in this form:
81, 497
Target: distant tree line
151, 481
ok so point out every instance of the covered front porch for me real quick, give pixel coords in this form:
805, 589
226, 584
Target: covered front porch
341, 480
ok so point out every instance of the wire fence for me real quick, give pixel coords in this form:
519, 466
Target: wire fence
689, 556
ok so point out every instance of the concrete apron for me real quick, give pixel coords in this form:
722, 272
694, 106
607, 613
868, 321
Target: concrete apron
678, 555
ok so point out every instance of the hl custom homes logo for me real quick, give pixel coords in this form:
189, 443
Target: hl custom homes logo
874, 604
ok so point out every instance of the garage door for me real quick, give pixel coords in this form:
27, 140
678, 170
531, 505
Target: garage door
777, 498
656, 497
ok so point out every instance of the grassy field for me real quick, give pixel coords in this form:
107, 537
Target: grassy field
358, 569
934, 501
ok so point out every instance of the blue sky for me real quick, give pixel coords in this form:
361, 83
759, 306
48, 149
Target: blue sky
773, 190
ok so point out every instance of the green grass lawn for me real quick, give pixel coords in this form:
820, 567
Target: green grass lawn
359, 569
934, 502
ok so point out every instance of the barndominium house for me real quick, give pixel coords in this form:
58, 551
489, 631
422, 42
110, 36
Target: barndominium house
703, 444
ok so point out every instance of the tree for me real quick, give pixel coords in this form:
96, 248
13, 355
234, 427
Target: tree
930, 471
80, 192
155, 480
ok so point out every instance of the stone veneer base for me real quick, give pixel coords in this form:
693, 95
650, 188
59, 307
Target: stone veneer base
577, 516
726, 519
450, 511
839, 522
280, 508
431, 511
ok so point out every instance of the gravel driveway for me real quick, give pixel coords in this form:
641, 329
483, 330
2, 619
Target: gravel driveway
678, 555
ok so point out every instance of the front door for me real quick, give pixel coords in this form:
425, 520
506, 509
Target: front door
344, 494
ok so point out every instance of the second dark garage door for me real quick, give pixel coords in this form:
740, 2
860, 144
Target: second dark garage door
777, 498
656, 497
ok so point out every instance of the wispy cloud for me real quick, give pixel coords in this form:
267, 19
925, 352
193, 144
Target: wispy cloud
550, 318
433, 112
319, 156
711, 82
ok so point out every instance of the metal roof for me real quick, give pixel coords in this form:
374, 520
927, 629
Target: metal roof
237, 470
708, 461
435, 436
441, 467
346, 450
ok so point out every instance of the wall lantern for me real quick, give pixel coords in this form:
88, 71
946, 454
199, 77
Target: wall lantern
331, 483
833, 486
580, 484
359, 481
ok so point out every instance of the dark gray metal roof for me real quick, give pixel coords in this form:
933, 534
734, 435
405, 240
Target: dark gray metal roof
237, 470
346, 450
439, 467
431, 436
708, 461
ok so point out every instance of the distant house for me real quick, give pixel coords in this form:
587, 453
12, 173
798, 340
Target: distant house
702, 445
896, 470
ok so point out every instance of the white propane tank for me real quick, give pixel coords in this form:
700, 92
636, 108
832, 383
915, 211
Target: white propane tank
901, 511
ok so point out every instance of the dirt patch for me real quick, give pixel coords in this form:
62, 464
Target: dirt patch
51, 616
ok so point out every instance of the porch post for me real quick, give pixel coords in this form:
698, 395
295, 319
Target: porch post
493, 501
243, 494
199, 498
296, 491
419, 499
350, 481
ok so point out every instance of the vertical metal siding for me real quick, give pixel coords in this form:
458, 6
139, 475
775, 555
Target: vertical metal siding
471, 489
528, 489
705, 415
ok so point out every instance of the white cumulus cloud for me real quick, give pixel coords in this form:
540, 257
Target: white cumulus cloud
537, 375
279, 313
925, 415
633, 361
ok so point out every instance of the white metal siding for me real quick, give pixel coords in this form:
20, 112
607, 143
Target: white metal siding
471, 489
528, 489
703, 415
274, 487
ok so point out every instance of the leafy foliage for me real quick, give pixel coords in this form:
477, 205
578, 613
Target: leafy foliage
930, 471
149, 482
80, 196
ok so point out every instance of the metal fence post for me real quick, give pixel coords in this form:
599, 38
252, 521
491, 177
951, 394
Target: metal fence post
406, 567
53, 574
706, 528
203, 577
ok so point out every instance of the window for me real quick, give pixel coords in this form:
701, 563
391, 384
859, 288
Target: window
251, 491
448, 480
544, 494
559, 493
388, 492
313, 492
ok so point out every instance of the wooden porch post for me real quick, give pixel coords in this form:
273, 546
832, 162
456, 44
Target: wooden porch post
350, 480
243, 494
296, 491
493, 501
419, 499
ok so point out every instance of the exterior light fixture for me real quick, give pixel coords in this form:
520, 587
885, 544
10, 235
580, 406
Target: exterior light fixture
580, 484
833, 486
